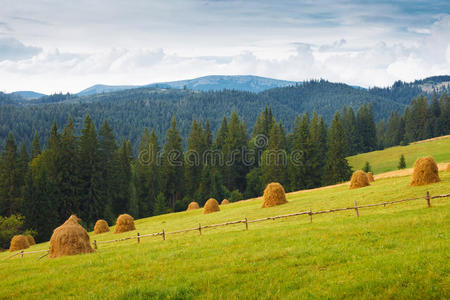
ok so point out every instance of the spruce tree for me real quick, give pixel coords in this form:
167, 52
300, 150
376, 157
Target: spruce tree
107, 151
336, 167
93, 203
274, 160
160, 205
68, 181
402, 162
36, 146
9, 181
367, 168
172, 161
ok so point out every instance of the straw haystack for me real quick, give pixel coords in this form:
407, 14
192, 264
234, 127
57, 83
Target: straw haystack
193, 205
101, 226
224, 202
124, 223
31, 240
19, 242
448, 167
359, 179
69, 239
425, 171
370, 177
274, 195
211, 206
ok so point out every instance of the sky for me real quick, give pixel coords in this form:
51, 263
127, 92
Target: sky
66, 46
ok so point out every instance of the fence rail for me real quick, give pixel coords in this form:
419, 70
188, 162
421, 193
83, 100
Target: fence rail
356, 207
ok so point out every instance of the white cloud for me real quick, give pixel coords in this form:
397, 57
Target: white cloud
151, 41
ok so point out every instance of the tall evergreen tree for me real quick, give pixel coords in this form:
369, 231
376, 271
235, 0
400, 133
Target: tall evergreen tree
9, 181
36, 146
172, 161
274, 160
336, 168
93, 202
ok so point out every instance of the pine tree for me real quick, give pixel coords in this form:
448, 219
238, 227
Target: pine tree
93, 201
160, 205
402, 162
196, 146
274, 160
107, 151
367, 168
9, 181
68, 181
173, 165
366, 129
147, 173
236, 142
336, 168
300, 163
36, 146
349, 124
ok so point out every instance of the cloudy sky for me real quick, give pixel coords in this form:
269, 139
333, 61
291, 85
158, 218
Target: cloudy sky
52, 46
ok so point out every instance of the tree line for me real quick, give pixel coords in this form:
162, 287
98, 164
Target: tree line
94, 176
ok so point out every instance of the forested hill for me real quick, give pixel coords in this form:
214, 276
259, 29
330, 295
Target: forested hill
130, 111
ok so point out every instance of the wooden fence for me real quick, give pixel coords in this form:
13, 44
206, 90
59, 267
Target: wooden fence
309, 212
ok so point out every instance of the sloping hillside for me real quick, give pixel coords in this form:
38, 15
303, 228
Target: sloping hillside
388, 252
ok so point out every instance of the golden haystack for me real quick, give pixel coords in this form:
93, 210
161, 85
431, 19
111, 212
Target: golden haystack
69, 239
274, 195
211, 206
448, 167
359, 179
31, 240
101, 226
124, 223
370, 177
425, 171
224, 201
193, 205
19, 242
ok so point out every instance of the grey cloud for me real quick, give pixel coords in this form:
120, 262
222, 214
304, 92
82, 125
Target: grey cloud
12, 49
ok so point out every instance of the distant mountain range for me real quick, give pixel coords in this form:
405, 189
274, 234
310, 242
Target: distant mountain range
248, 83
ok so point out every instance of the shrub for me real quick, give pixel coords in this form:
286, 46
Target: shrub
236, 195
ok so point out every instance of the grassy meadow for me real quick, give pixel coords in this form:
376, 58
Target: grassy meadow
400, 251
387, 159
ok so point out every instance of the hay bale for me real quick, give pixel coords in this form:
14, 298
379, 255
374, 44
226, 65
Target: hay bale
193, 205
211, 206
370, 177
359, 179
448, 167
101, 226
31, 240
274, 195
425, 171
224, 202
124, 223
69, 239
19, 242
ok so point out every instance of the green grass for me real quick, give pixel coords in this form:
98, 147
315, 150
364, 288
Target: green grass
395, 252
387, 159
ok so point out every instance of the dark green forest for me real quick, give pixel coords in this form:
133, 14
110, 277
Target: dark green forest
95, 164
94, 173
129, 111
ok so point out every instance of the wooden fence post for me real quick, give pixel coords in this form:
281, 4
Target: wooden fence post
138, 239
428, 199
199, 228
164, 235
356, 209
95, 244
246, 224
310, 215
